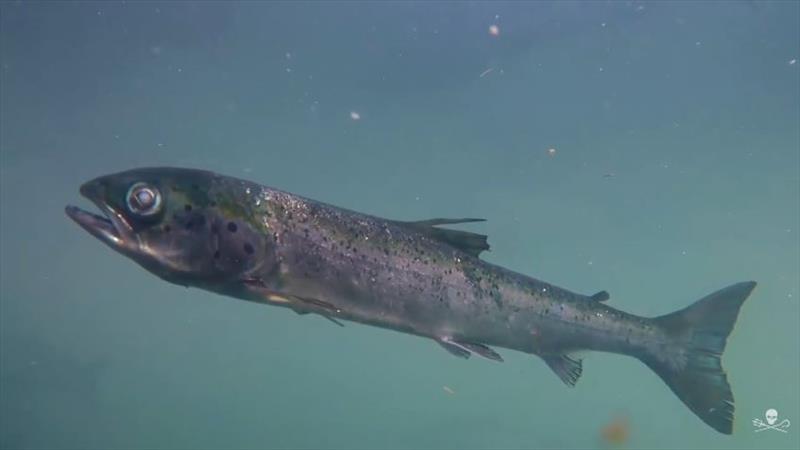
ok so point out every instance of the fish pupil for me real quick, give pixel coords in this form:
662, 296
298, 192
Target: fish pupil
145, 198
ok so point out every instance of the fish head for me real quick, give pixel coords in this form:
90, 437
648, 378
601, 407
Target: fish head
189, 227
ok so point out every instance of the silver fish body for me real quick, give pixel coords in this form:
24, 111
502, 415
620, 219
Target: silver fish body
244, 240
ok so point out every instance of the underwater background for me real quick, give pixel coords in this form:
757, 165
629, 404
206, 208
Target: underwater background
650, 149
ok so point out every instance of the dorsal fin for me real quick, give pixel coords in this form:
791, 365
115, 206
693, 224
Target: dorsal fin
600, 296
471, 243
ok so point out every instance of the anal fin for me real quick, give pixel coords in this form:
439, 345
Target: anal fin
568, 369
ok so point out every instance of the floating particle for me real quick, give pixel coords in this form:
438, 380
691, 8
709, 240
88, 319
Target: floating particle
486, 72
551, 151
449, 390
354, 115
616, 432
494, 30
792, 62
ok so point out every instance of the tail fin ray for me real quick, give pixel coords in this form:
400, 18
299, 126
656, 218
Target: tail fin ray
699, 332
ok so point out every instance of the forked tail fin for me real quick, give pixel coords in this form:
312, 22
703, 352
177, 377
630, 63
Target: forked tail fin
699, 334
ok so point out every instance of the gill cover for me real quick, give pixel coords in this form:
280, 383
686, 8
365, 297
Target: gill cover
189, 227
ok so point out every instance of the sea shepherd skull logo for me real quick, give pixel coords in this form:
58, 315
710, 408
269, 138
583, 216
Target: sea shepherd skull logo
772, 422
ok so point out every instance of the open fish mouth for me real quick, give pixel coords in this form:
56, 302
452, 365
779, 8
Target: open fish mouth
98, 226
111, 228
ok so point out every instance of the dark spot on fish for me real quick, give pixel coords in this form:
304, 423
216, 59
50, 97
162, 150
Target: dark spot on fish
216, 254
167, 228
232, 227
188, 225
187, 207
248, 248
201, 221
214, 229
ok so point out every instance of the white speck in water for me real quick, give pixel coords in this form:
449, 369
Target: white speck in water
355, 115
792, 62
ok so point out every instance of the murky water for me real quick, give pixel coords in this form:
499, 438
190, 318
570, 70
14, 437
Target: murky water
648, 149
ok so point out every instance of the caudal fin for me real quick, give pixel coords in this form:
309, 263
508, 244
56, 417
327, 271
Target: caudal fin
694, 372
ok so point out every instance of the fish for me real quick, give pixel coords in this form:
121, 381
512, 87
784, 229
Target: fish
237, 238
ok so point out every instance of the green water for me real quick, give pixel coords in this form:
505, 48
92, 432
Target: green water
676, 172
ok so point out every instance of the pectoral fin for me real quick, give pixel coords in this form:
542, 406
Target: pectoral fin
456, 350
466, 349
567, 368
300, 305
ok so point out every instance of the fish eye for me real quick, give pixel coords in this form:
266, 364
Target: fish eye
143, 199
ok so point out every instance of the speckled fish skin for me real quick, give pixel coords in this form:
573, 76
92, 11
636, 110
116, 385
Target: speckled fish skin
260, 244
